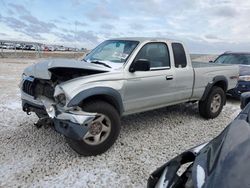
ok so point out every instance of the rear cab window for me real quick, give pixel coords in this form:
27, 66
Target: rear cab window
180, 59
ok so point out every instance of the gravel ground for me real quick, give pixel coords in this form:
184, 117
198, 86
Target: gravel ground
31, 157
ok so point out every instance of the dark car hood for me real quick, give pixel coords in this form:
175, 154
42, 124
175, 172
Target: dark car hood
223, 162
244, 70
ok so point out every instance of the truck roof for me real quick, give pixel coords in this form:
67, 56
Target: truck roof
145, 39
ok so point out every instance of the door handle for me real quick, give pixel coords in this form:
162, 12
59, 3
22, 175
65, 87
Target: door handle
170, 77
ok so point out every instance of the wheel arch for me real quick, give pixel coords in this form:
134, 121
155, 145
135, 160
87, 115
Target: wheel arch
219, 81
106, 94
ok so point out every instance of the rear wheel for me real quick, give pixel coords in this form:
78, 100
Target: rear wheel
212, 106
103, 130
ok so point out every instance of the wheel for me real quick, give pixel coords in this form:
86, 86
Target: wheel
211, 107
103, 130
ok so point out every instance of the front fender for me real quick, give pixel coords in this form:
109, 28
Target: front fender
110, 92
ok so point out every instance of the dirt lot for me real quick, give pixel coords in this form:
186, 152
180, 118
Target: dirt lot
40, 157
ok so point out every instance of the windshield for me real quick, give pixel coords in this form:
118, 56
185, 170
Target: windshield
116, 51
243, 59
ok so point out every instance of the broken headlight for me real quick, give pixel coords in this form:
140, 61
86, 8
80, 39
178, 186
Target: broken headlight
61, 99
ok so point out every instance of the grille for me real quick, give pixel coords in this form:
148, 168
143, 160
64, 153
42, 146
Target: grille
28, 87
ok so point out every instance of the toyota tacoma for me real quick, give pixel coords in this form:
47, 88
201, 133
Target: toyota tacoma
84, 99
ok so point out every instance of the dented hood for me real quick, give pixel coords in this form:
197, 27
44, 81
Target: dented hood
41, 69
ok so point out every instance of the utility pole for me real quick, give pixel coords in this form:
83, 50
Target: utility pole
75, 39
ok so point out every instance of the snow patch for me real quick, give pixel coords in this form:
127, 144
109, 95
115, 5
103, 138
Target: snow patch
6, 78
13, 105
79, 177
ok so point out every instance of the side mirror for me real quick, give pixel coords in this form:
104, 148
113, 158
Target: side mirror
140, 65
211, 61
244, 99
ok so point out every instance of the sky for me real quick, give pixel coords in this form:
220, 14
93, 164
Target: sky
205, 26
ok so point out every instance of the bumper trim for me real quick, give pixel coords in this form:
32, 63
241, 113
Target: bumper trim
71, 123
69, 129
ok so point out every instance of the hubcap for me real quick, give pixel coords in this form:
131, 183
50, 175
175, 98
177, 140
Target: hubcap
99, 130
216, 103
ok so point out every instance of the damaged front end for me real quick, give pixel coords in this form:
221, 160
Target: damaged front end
48, 101
72, 123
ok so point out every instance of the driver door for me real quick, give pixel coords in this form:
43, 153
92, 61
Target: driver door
149, 89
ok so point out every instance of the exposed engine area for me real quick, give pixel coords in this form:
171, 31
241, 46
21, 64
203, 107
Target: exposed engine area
36, 86
63, 74
44, 88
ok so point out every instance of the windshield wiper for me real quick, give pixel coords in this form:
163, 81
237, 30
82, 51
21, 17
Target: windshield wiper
101, 63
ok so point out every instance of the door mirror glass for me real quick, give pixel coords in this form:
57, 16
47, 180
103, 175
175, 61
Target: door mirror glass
140, 65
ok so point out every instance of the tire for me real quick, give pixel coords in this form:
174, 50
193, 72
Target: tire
207, 109
85, 147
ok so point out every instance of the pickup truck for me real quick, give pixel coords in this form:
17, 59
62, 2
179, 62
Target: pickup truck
84, 99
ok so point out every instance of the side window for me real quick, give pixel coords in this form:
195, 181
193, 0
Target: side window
179, 55
156, 53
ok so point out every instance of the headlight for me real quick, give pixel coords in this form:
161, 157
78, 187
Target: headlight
60, 96
61, 99
245, 78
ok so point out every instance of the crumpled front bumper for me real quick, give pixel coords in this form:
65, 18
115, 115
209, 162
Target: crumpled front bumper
71, 123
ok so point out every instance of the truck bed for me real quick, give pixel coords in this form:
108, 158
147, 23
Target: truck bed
197, 64
205, 72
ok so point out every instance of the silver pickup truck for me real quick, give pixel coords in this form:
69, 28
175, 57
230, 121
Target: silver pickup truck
85, 99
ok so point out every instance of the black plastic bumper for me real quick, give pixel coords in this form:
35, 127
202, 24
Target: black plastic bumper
65, 127
31, 107
69, 129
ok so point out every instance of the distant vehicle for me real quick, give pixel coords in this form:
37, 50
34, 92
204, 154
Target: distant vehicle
223, 162
29, 47
51, 48
3, 46
85, 99
7, 46
19, 46
243, 60
10, 47
45, 48
61, 48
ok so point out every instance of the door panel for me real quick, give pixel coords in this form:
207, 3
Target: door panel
146, 89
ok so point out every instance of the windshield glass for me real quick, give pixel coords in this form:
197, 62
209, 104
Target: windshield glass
116, 51
243, 59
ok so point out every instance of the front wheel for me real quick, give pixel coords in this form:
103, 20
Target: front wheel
212, 106
103, 130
